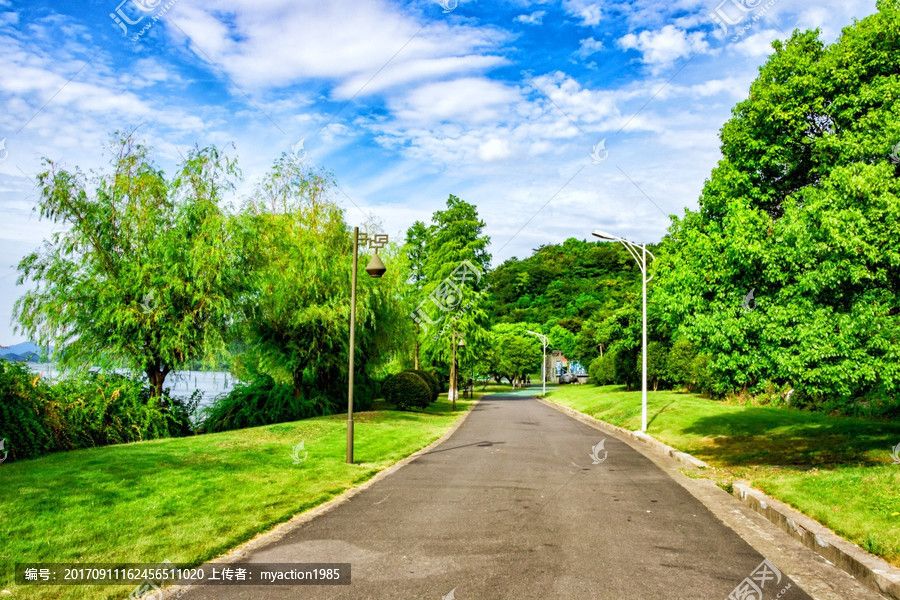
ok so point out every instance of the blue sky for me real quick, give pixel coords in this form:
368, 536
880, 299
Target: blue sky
502, 103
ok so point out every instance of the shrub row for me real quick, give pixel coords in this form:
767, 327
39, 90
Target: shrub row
260, 402
38, 417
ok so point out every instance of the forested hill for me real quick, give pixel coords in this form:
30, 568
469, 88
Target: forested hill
564, 284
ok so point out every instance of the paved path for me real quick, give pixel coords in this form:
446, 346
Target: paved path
512, 506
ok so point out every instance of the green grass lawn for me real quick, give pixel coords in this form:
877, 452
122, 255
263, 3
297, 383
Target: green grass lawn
188, 500
837, 470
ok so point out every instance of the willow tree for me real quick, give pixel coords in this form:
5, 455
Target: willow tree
295, 324
143, 272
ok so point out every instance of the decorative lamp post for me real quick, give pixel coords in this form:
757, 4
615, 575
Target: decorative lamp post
375, 269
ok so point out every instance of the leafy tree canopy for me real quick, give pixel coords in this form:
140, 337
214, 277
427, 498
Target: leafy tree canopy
145, 273
789, 274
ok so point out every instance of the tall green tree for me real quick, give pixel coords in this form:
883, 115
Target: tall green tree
415, 248
515, 352
789, 274
454, 306
145, 273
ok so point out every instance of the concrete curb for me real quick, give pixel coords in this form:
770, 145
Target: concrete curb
678, 455
873, 571
281, 530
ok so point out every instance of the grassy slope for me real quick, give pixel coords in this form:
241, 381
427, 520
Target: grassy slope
188, 500
837, 470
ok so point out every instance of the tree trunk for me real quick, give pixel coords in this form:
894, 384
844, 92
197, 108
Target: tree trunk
157, 377
297, 377
418, 349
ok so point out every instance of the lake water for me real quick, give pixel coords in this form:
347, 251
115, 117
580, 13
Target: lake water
180, 383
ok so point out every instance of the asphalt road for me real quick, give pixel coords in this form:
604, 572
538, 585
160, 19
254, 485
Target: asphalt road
514, 506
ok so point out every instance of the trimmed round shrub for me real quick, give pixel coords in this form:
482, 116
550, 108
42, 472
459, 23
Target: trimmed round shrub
406, 391
432, 382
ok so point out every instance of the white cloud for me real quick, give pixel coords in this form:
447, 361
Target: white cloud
535, 18
494, 149
415, 71
277, 43
663, 47
759, 44
467, 100
587, 11
589, 47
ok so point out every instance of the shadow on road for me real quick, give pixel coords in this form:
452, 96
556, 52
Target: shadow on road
484, 444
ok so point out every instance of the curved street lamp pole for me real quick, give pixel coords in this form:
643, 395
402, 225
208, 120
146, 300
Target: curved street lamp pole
375, 269
544, 341
639, 253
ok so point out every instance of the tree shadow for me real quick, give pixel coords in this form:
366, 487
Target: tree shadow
779, 437
659, 412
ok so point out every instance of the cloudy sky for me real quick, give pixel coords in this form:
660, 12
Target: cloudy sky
555, 117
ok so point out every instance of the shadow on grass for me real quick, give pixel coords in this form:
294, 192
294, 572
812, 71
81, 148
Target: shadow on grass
659, 412
777, 437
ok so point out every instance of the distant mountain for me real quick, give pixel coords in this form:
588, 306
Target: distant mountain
30, 357
26, 351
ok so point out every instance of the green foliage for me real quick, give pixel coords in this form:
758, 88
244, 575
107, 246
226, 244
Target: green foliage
142, 272
566, 284
561, 339
296, 318
680, 363
514, 353
626, 365
406, 391
602, 369
432, 381
24, 416
657, 364
452, 304
96, 409
804, 211
260, 402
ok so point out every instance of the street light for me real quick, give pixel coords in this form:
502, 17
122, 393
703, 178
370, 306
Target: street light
544, 341
375, 269
639, 253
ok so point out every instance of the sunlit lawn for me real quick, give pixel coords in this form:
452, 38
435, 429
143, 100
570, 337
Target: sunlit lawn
837, 470
188, 500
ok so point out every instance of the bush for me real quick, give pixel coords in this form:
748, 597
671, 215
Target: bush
406, 391
23, 398
260, 402
625, 363
37, 417
657, 367
432, 382
602, 369
680, 363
